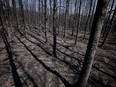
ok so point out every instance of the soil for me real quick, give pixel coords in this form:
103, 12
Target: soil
36, 65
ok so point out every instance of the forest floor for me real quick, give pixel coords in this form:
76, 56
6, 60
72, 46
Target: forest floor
32, 59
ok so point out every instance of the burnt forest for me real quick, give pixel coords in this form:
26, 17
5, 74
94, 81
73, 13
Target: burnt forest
57, 43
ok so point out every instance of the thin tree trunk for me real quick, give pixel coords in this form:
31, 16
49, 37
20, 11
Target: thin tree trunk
42, 12
45, 19
109, 28
59, 22
78, 22
93, 41
22, 15
85, 28
15, 13
8, 11
39, 13
4, 20
54, 27
107, 20
93, 10
75, 16
50, 19
66, 17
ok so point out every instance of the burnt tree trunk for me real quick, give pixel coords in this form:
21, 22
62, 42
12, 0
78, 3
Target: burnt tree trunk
93, 42
104, 30
22, 15
74, 18
54, 27
22, 12
66, 17
109, 28
85, 28
15, 13
78, 22
45, 18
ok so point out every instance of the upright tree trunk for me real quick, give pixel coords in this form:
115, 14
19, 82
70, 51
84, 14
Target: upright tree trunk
54, 27
85, 28
42, 12
8, 11
50, 19
59, 18
45, 18
22, 14
4, 11
104, 29
93, 42
78, 22
66, 17
4, 19
15, 13
93, 10
75, 16
39, 7
109, 28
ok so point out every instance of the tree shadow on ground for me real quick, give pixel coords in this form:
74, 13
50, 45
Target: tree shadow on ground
92, 80
66, 83
72, 66
29, 77
16, 77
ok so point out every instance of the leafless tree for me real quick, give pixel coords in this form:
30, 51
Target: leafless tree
93, 42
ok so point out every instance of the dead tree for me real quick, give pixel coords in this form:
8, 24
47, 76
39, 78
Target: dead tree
4, 19
42, 15
54, 27
4, 14
78, 22
59, 17
92, 14
66, 17
93, 42
109, 28
8, 11
45, 18
74, 18
22, 13
39, 7
50, 19
85, 28
104, 30
15, 13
